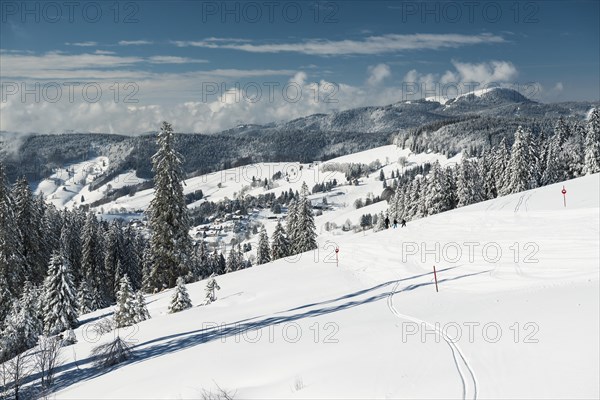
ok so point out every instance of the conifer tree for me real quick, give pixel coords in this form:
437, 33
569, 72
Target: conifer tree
171, 245
29, 222
280, 246
414, 208
234, 260
23, 324
380, 222
12, 264
487, 176
263, 255
125, 310
91, 260
291, 222
305, 237
394, 201
499, 166
469, 188
181, 299
6, 300
437, 199
112, 259
592, 143
557, 162
84, 298
141, 311
520, 169
202, 261
60, 305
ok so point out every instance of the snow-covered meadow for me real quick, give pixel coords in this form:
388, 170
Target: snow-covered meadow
519, 323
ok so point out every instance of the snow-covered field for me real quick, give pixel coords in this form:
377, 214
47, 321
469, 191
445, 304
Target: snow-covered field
516, 315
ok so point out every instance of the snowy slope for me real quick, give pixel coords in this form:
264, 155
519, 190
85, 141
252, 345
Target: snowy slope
65, 187
304, 328
231, 182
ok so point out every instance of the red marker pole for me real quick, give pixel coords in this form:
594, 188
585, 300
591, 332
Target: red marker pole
435, 277
337, 250
564, 192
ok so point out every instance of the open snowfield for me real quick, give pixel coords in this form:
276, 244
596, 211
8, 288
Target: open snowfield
516, 316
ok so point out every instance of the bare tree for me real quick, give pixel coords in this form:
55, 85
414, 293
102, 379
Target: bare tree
15, 371
218, 394
47, 358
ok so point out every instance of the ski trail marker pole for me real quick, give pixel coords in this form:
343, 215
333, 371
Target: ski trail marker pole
564, 192
435, 277
337, 250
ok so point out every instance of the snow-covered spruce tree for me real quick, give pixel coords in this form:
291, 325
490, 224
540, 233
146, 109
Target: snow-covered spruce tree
562, 131
125, 310
181, 299
423, 198
170, 243
592, 143
263, 255
201, 261
280, 245
234, 260
291, 223
576, 151
60, 305
213, 263
401, 204
520, 174
305, 238
557, 162
6, 300
438, 196
380, 226
133, 250
501, 157
91, 260
392, 203
469, 188
141, 311
23, 325
31, 238
84, 298
112, 257
415, 209
12, 264
211, 287
487, 176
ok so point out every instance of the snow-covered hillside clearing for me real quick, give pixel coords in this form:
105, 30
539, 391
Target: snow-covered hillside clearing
516, 315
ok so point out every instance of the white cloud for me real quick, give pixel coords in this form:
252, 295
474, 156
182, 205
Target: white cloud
91, 66
377, 73
391, 43
464, 78
486, 72
82, 44
174, 60
134, 42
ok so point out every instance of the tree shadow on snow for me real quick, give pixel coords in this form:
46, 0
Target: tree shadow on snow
73, 372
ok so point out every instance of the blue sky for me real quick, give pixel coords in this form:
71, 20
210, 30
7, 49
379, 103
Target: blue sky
178, 59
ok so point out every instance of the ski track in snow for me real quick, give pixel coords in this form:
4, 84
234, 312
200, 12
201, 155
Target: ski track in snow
467, 376
518, 206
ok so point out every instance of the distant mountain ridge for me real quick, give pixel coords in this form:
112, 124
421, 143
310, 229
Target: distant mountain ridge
481, 118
